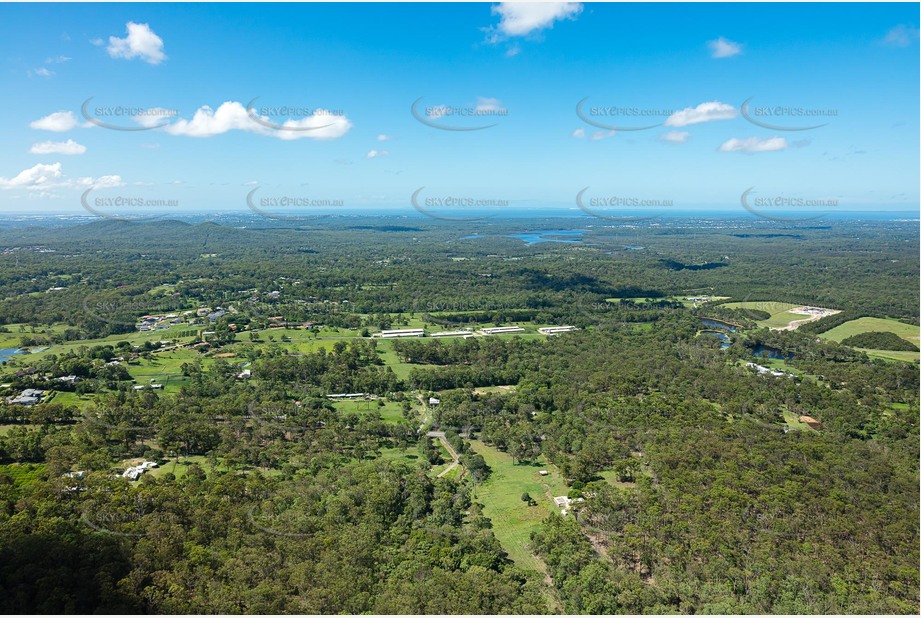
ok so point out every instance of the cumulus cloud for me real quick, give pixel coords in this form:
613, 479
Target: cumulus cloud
524, 18
57, 122
40, 175
676, 137
705, 112
377, 153
70, 147
383, 137
750, 145
41, 72
723, 48
901, 36
233, 116
141, 42
43, 177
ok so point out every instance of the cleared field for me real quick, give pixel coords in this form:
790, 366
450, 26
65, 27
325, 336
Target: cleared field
780, 312
165, 369
513, 520
868, 325
782, 315
908, 357
390, 412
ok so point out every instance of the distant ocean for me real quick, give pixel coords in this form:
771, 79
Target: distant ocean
19, 220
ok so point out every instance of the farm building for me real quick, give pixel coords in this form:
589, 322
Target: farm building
553, 330
406, 332
499, 330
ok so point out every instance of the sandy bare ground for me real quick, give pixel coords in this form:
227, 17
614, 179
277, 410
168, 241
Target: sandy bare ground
812, 317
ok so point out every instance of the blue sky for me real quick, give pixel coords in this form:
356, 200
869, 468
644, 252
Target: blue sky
522, 68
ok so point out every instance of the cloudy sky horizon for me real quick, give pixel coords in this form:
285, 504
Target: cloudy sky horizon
527, 104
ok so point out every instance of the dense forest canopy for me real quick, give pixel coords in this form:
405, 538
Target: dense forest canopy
305, 465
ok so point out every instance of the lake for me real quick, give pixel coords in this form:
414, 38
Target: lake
710, 323
531, 238
7, 353
723, 337
766, 351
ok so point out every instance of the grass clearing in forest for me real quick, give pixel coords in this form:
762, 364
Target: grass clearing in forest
513, 520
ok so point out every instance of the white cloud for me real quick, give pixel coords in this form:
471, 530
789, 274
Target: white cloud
42, 72
523, 18
676, 137
232, 115
383, 137
596, 136
485, 104
40, 175
377, 153
705, 112
723, 48
70, 147
141, 42
901, 36
44, 177
57, 60
97, 42
103, 182
751, 145
57, 122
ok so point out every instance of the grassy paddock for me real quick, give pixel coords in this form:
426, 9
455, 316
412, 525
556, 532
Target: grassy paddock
513, 520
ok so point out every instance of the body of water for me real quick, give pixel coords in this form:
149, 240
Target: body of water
766, 351
718, 324
723, 337
531, 238
7, 353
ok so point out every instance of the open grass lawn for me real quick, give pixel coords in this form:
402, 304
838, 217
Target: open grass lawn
390, 358
134, 338
780, 312
513, 520
793, 422
72, 399
180, 466
165, 368
410, 455
391, 412
867, 325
